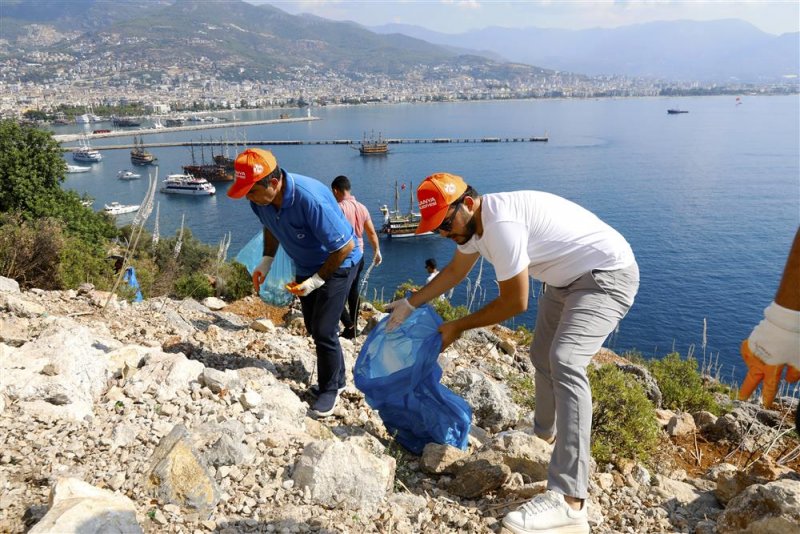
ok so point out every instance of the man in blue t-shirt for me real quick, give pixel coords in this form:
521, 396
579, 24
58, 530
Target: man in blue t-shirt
301, 214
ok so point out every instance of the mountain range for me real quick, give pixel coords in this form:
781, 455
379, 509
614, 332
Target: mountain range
717, 51
238, 40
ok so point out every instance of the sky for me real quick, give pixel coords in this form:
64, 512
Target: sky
455, 16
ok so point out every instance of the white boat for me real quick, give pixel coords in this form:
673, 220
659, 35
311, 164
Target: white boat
186, 184
77, 168
128, 175
115, 208
86, 153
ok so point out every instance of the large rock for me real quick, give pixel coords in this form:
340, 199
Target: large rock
343, 474
479, 474
643, 376
490, 401
59, 375
772, 508
8, 285
178, 476
164, 376
17, 305
731, 483
80, 508
523, 453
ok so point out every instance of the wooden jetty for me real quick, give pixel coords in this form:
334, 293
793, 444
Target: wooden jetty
277, 142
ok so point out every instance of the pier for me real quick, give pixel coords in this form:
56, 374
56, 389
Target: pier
353, 142
67, 138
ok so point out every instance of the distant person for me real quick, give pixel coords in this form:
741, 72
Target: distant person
590, 279
774, 343
358, 216
301, 214
430, 266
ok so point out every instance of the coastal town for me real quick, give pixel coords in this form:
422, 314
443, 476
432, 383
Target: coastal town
190, 88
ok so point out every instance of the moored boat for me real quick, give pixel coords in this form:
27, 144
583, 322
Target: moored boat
676, 111
186, 184
397, 224
86, 153
77, 168
115, 208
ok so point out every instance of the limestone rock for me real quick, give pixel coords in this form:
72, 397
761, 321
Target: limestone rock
213, 303
344, 474
772, 508
437, 458
77, 507
177, 475
8, 285
681, 424
490, 401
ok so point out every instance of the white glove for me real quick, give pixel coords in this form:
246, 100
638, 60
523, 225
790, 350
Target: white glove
260, 272
377, 258
400, 309
776, 339
306, 286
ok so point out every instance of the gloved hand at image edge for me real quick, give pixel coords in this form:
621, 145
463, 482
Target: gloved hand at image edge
304, 288
773, 343
261, 271
400, 311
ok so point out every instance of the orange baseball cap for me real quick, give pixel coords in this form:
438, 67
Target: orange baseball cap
435, 194
251, 166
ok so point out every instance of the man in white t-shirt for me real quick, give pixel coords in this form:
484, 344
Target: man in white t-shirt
430, 267
590, 279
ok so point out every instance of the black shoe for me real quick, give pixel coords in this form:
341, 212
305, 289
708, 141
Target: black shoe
348, 333
314, 390
325, 404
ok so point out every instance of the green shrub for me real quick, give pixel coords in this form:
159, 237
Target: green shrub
623, 419
681, 385
523, 390
194, 285
234, 281
84, 262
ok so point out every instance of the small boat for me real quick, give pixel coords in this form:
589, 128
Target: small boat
77, 168
397, 224
115, 208
373, 146
128, 175
122, 122
186, 184
676, 111
140, 156
86, 153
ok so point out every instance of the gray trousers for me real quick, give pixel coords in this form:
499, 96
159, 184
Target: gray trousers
572, 323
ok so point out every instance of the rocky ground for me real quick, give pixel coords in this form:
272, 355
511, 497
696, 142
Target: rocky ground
177, 416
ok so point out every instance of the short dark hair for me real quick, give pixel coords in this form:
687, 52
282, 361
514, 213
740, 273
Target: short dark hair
430, 262
341, 182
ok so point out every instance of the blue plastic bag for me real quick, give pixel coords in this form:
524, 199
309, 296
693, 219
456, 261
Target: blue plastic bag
130, 278
399, 375
273, 290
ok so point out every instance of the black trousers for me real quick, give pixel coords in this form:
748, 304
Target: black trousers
350, 314
321, 311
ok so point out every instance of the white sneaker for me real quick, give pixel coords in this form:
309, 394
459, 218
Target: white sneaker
547, 513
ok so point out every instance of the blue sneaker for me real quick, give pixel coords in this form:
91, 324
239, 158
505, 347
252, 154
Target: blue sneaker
325, 404
314, 390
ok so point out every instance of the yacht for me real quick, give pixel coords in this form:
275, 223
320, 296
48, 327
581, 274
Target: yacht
77, 168
128, 175
186, 184
86, 153
115, 208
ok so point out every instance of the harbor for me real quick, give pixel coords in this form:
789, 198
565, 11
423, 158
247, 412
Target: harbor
68, 138
284, 142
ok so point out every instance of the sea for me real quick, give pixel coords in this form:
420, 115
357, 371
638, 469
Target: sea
709, 199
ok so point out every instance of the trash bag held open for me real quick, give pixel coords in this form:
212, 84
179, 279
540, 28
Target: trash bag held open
399, 375
273, 290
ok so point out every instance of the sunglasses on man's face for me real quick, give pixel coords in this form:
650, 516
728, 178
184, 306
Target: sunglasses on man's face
447, 222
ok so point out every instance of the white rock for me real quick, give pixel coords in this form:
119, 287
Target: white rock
77, 507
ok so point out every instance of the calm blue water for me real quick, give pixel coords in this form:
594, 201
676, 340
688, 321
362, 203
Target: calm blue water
709, 200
